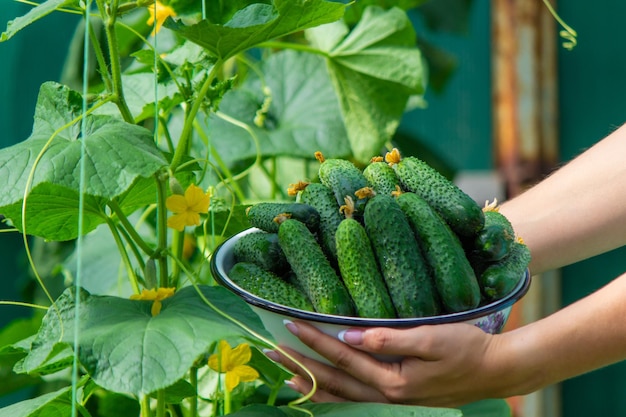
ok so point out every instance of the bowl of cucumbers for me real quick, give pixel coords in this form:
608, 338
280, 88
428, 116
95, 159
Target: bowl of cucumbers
394, 244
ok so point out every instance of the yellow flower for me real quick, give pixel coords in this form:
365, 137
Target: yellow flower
232, 362
156, 295
160, 15
187, 208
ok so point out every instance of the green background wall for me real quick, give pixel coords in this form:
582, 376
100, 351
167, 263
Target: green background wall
592, 82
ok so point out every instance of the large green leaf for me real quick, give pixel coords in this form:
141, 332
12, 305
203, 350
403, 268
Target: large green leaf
116, 153
487, 408
304, 115
55, 218
126, 349
348, 410
375, 69
376, 410
52, 404
258, 23
35, 14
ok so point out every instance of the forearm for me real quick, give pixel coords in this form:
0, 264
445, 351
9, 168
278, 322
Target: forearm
582, 337
579, 211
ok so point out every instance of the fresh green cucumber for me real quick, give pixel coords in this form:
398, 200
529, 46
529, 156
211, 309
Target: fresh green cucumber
268, 286
262, 249
262, 215
454, 277
496, 238
500, 278
343, 178
459, 210
323, 200
402, 264
381, 177
323, 286
359, 270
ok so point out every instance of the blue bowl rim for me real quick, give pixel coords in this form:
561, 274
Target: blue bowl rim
218, 269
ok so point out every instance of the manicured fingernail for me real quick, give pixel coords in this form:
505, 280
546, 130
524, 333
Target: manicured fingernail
290, 384
272, 354
351, 336
291, 327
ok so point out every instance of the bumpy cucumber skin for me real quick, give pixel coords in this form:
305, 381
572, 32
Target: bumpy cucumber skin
492, 243
323, 286
262, 215
268, 286
453, 274
344, 179
458, 209
262, 249
403, 267
495, 239
499, 278
323, 200
381, 177
360, 273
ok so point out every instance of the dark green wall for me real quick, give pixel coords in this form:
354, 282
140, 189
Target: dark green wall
459, 118
592, 104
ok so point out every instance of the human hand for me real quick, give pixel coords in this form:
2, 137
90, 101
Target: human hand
444, 365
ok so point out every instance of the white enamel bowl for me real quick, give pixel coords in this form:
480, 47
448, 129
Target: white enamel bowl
489, 317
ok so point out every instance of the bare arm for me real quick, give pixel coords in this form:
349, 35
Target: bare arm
579, 211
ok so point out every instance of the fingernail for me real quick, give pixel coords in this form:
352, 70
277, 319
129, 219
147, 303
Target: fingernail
351, 336
290, 384
272, 354
291, 326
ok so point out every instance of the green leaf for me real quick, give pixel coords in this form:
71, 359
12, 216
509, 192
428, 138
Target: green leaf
35, 14
13, 332
375, 69
487, 408
100, 264
53, 404
125, 349
116, 153
176, 393
303, 118
140, 94
52, 212
372, 410
261, 410
111, 404
226, 220
258, 23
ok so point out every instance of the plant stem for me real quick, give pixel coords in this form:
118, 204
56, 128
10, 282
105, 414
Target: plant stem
145, 407
116, 66
193, 401
137, 239
294, 46
133, 248
271, 399
227, 401
162, 229
160, 410
178, 241
185, 136
95, 42
120, 246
